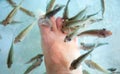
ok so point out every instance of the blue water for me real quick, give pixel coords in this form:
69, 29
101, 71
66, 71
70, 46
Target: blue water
107, 56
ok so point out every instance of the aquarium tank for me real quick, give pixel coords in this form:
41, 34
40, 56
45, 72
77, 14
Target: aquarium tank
20, 38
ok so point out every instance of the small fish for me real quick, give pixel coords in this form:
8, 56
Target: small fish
73, 34
76, 63
33, 66
13, 22
50, 6
80, 15
10, 57
65, 13
74, 23
94, 65
83, 22
88, 46
53, 12
68, 30
103, 7
85, 72
112, 69
12, 3
21, 8
56, 6
10, 16
39, 56
102, 33
91, 15
23, 33
30, 13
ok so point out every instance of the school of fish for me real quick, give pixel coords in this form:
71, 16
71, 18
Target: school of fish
73, 26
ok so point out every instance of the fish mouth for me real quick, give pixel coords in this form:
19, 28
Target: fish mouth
104, 34
72, 68
108, 33
67, 39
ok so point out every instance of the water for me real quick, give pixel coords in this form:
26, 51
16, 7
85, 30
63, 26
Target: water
107, 56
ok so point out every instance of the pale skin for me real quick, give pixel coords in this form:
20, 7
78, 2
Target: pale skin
58, 54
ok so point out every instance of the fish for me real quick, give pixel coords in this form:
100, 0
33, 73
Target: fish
10, 57
74, 24
79, 15
23, 33
12, 3
33, 66
45, 19
13, 22
94, 65
85, 72
39, 56
53, 12
10, 16
87, 46
71, 35
83, 22
56, 6
101, 33
91, 15
112, 69
76, 63
65, 13
30, 13
103, 7
50, 5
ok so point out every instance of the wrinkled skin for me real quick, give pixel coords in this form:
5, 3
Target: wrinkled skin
57, 53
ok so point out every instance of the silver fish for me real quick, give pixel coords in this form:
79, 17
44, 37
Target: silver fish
53, 12
83, 22
13, 22
10, 16
10, 57
50, 6
39, 56
13, 4
65, 13
56, 6
91, 15
76, 63
33, 66
71, 35
112, 69
23, 33
87, 46
103, 7
80, 15
94, 65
